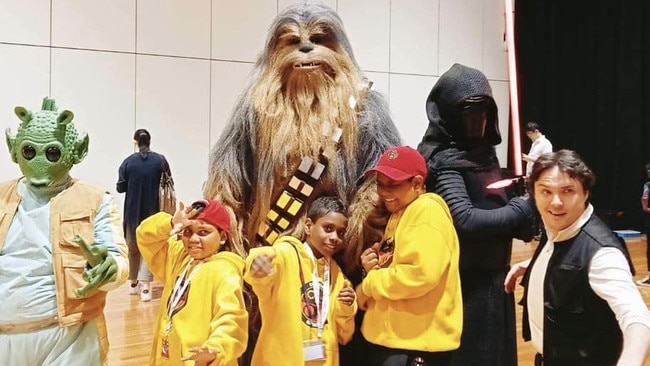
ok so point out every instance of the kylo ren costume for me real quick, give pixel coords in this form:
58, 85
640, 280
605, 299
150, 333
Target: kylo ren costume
459, 148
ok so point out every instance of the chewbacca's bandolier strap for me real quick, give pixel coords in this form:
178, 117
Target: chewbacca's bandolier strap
300, 187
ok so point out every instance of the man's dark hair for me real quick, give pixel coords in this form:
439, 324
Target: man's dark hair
143, 137
324, 205
569, 162
532, 126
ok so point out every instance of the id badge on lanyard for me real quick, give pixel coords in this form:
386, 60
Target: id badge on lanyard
314, 349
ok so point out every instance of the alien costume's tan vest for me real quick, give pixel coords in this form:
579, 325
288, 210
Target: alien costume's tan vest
71, 212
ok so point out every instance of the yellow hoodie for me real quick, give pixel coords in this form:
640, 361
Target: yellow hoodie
213, 315
415, 303
283, 329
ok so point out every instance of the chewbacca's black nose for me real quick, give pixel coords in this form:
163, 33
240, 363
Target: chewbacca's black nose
306, 48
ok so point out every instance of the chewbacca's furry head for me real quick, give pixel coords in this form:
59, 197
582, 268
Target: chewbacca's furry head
308, 84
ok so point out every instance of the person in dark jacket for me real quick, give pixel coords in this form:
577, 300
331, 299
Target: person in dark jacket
139, 177
459, 146
581, 307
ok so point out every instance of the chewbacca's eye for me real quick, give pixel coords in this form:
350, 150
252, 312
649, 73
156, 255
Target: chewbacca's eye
317, 39
293, 41
53, 154
29, 152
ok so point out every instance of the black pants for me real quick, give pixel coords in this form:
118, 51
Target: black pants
646, 226
383, 356
539, 360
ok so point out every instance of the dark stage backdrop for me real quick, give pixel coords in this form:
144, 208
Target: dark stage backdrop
584, 76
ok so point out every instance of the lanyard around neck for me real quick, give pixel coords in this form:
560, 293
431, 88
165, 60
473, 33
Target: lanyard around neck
181, 285
322, 308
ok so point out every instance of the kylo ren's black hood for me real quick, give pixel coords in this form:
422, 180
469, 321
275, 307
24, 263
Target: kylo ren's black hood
443, 108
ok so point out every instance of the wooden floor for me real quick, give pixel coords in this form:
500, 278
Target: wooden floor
131, 322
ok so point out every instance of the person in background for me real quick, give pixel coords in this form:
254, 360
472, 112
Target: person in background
581, 307
202, 316
646, 222
139, 177
61, 248
411, 292
462, 162
540, 145
309, 331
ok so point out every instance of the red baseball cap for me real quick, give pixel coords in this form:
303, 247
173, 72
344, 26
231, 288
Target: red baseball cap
213, 213
401, 163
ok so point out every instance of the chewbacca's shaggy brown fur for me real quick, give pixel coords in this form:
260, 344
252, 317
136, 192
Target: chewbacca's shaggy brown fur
305, 84
302, 88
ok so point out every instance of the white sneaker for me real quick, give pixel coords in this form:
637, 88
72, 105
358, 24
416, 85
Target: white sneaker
644, 282
145, 292
135, 288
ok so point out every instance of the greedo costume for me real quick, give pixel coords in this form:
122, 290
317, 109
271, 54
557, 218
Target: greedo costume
284, 326
211, 311
415, 302
47, 318
485, 220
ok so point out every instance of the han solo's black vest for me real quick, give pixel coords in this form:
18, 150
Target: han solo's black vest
580, 329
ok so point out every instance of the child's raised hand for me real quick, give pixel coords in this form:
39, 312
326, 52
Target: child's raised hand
370, 258
202, 356
262, 266
182, 218
347, 294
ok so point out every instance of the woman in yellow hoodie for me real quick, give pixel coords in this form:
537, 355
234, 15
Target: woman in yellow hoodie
202, 318
307, 305
411, 291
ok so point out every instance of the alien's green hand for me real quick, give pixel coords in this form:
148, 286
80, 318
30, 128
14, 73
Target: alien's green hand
104, 267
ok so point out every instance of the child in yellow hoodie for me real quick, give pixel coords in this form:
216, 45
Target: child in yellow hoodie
306, 303
202, 318
411, 291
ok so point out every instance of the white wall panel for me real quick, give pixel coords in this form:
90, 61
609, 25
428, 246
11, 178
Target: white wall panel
495, 57
367, 24
185, 100
24, 72
173, 102
461, 34
414, 37
408, 95
501, 93
173, 27
228, 82
99, 88
25, 21
99, 25
238, 34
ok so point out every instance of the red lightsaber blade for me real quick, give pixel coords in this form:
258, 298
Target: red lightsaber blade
514, 92
514, 100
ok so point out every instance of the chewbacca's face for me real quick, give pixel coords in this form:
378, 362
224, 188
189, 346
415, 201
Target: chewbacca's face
308, 51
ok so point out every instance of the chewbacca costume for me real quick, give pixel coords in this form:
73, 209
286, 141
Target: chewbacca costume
306, 90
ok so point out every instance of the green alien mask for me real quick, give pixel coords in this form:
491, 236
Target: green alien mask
46, 147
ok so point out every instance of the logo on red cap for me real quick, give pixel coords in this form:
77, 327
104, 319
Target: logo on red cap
401, 163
